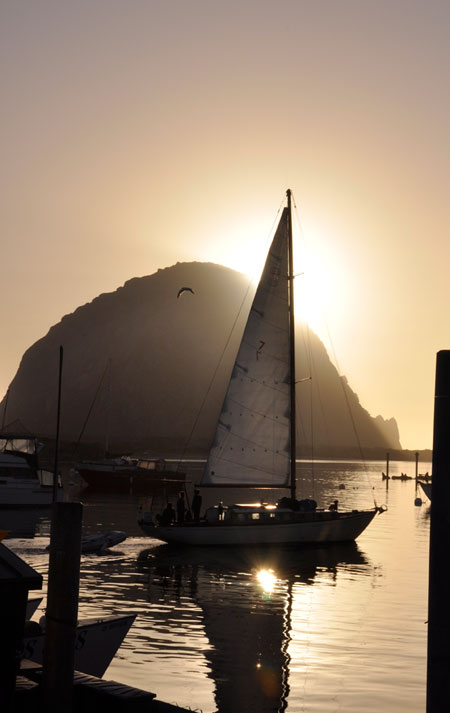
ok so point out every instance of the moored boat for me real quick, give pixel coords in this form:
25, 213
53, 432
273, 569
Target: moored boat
23, 483
124, 474
97, 642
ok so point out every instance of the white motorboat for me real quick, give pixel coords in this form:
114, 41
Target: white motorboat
96, 644
22, 482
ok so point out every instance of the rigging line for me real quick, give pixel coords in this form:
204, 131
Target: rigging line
90, 410
313, 369
308, 353
233, 327
349, 408
358, 441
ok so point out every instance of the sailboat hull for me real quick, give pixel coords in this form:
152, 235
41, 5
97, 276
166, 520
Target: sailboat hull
344, 527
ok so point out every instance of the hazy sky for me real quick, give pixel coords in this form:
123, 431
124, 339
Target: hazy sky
139, 133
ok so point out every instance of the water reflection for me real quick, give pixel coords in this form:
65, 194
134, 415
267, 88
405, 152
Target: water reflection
317, 630
246, 601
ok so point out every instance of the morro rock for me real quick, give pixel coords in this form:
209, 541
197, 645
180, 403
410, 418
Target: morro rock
170, 357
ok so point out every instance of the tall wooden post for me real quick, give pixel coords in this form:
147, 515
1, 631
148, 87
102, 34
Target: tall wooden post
62, 607
438, 664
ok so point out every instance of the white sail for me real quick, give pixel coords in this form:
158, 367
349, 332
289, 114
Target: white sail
252, 441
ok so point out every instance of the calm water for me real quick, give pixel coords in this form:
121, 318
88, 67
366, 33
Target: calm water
335, 629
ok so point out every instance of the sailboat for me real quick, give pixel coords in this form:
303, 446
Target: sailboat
124, 474
255, 440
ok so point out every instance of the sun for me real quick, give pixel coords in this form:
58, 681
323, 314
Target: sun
243, 244
314, 292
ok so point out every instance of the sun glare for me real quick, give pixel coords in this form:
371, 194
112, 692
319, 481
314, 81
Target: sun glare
317, 293
314, 292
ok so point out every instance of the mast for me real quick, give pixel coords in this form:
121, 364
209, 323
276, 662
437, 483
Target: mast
108, 408
292, 343
5, 409
58, 417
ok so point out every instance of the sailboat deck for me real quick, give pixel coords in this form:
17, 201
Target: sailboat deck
260, 517
289, 528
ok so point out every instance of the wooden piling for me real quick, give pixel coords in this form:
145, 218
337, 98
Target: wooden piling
438, 655
62, 607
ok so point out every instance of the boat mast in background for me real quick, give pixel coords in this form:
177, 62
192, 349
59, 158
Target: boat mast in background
5, 409
108, 407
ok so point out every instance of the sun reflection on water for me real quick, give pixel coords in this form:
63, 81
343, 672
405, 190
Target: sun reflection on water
267, 580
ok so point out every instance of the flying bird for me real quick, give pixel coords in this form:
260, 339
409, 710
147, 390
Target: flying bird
184, 289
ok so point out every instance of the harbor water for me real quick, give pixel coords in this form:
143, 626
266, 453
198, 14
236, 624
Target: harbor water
311, 630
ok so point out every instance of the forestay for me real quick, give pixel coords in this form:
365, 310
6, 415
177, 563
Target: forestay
252, 441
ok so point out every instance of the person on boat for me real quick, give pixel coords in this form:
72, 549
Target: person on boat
334, 506
181, 507
220, 510
196, 504
168, 515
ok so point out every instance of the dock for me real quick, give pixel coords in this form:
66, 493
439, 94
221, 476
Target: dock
89, 695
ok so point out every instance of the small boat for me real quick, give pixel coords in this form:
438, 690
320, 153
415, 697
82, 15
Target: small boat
96, 544
96, 644
403, 476
255, 441
425, 477
124, 473
102, 542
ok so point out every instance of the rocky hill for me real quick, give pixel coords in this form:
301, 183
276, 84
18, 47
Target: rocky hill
170, 358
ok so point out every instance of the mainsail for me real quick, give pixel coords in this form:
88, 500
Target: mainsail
252, 441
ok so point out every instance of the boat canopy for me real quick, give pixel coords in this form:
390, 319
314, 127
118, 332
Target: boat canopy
10, 442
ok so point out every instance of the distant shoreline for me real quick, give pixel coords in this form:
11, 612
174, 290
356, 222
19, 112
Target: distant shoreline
68, 453
374, 453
